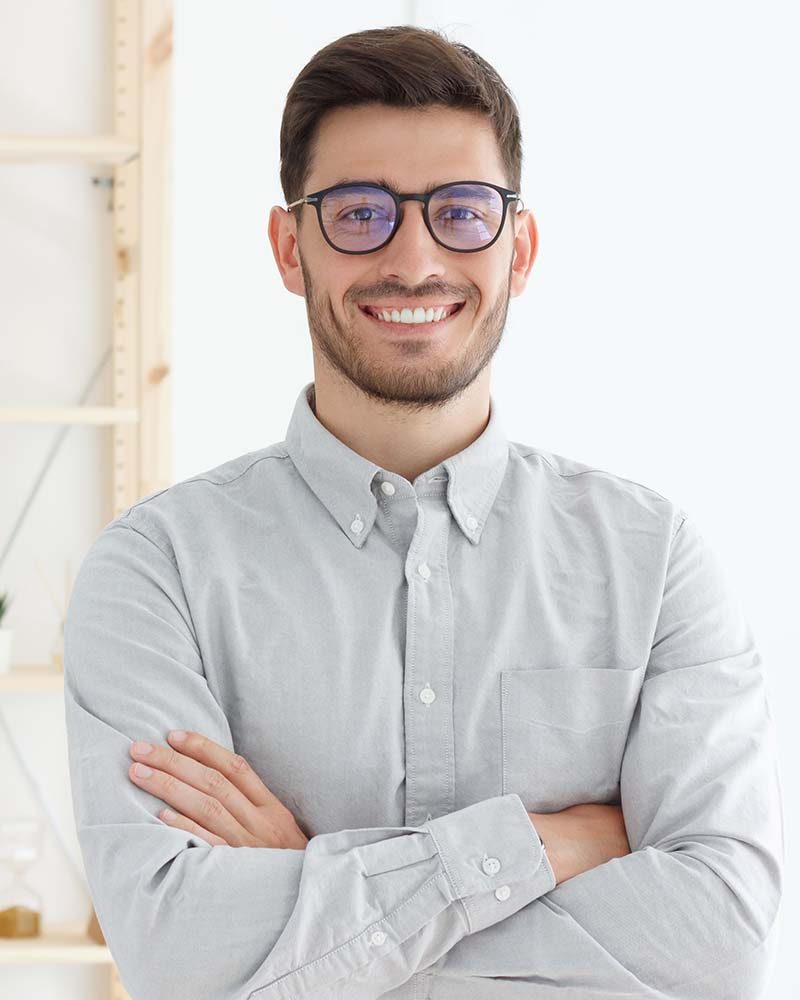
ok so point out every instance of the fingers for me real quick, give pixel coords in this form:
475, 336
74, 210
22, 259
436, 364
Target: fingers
232, 765
183, 823
200, 793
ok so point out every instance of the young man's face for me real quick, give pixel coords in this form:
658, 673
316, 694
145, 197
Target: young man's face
426, 364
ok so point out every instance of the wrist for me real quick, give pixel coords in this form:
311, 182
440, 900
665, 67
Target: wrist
535, 819
540, 824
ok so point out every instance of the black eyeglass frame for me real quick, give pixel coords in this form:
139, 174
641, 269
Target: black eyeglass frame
315, 198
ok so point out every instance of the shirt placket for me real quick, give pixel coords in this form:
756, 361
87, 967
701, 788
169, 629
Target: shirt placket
428, 677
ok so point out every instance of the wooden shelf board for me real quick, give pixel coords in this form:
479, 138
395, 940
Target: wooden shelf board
108, 149
56, 943
36, 677
69, 415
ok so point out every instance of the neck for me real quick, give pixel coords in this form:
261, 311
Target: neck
403, 440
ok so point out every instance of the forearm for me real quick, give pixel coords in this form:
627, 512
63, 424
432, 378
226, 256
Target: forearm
581, 837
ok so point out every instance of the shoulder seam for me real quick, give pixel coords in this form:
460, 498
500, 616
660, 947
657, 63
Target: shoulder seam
202, 479
123, 523
601, 472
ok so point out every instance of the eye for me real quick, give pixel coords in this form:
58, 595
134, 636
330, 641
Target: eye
460, 208
349, 216
358, 218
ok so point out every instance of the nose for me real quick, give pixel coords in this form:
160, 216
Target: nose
413, 254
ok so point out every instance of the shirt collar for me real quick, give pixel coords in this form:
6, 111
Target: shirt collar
349, 484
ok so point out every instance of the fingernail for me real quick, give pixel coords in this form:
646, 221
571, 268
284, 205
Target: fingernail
142, 770
168, 814
139, 747
177, 735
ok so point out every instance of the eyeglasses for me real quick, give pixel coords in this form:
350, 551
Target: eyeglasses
361, 217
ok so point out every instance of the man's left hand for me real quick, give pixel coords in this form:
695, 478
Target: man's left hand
215, 794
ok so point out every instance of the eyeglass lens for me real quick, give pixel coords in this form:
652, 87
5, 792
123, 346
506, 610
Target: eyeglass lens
463, 216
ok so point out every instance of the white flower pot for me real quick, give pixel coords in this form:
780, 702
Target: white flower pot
5, 649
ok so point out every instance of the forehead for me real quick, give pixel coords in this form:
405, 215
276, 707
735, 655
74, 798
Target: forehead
412, 149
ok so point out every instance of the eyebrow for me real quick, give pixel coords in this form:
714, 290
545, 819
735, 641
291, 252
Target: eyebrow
384, 183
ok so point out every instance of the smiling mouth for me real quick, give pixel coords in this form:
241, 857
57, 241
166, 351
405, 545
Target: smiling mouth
392, 326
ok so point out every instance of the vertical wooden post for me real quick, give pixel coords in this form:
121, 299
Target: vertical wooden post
155, 440
126, 248
142, 320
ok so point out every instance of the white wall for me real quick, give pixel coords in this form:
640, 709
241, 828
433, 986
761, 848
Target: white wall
655, 338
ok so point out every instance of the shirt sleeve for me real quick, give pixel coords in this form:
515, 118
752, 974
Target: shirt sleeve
355, 914
690, 913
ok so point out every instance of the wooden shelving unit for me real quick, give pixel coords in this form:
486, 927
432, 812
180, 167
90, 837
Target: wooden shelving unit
139, 155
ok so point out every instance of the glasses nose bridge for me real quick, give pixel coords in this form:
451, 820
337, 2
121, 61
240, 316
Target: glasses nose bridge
423, 198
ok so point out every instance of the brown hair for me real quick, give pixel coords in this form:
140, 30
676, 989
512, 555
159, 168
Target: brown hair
402, 66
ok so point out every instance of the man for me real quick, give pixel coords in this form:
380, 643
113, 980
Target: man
461, 718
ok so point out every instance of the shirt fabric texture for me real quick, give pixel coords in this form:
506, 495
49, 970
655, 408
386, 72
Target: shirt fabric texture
412, 668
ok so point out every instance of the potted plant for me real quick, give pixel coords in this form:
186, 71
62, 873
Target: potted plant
5, 636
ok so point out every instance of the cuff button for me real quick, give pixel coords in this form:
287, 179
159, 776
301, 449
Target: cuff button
490, 865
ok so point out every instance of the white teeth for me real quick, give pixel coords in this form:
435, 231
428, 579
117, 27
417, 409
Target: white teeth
418, 315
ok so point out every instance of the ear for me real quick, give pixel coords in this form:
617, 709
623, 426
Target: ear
285, 248
526, 243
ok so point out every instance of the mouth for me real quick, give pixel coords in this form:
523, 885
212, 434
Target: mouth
431, 325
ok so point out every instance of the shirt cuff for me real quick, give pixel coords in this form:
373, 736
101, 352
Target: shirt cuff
493, 857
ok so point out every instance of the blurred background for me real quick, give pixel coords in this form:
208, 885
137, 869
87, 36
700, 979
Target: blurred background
657, 338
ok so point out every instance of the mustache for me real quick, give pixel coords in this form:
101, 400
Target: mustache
392, 292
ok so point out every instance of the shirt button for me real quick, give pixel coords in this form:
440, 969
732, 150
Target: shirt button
427, 694
491, 865
377, 937
357, 525
424, 570
472, 523
502, 893
387, 488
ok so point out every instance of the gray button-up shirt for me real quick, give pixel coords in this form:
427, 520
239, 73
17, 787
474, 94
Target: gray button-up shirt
411, 668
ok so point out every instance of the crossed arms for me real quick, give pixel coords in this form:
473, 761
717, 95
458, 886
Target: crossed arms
689, 913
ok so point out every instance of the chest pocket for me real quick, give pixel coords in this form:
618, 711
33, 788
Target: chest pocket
564, 732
